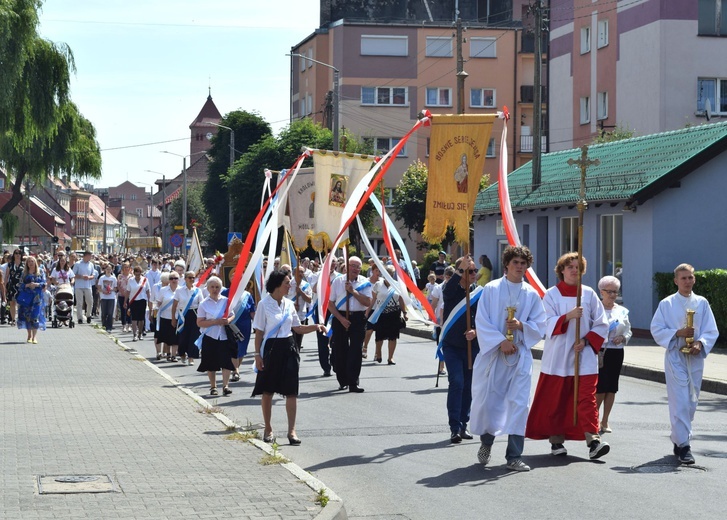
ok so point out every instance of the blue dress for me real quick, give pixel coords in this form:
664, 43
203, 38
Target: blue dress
30, 303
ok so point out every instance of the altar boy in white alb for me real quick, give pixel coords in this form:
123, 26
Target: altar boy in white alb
684, 369
503, 368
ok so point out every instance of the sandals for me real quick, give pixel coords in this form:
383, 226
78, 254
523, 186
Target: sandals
293, 440
226, 391
235, 377
269, 438
364, 353
213, 391
159, 356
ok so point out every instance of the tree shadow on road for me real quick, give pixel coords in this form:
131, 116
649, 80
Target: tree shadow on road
385, 456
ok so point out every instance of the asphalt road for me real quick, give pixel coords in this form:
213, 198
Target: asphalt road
387, 453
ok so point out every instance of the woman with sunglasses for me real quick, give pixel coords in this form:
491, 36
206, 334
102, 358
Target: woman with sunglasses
166, 332
184, 317
612, 351
15, 277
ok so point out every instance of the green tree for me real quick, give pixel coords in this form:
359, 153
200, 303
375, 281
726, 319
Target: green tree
41, 131
196, 210
249, 129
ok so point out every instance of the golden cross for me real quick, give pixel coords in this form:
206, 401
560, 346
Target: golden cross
583, 163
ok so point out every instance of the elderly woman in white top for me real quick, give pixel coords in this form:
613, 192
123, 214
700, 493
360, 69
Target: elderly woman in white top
166, 333
184, 317
276, 357
217, 349
619, 333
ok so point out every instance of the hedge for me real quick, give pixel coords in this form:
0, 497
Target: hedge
711, 284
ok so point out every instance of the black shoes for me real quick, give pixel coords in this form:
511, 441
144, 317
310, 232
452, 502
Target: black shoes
88, 319
598, 449
294, 441
465, 434
684, 454
455, 438
355, 389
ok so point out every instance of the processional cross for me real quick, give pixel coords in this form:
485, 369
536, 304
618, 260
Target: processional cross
583, 163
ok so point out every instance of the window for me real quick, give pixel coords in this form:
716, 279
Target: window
602, 107
602, 33
482, 98
585, 110
439, 47
382, 145
439, 97
568, 234
382, 45
585, 40
389, 194
309, 104
713, 90
712, 18
303, 111
491, 148
384, 96
133, 196
310, 57
611, 241
483, 47
139, 212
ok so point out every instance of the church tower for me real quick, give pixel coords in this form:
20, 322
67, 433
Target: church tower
200, 135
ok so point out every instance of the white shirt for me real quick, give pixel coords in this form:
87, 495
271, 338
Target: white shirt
213, 310
382, 291
182, 296
62, 276
164, 299
270, 313
338, 291
84, 268
107, 287
153, 276
300, 304
133, 286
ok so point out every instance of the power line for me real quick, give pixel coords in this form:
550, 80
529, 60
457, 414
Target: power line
143, 144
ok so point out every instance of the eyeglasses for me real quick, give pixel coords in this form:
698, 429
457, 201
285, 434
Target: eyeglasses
173, 278
608, 291
189, 277
471, 271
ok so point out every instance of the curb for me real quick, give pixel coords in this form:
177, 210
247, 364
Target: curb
334, 510
636, 371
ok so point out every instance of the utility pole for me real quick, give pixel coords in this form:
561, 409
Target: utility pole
461, 74
537, 94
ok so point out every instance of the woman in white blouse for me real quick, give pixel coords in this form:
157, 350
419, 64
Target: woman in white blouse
138, 297
166, 333
276, 357
217, 351
612, 351
186, 301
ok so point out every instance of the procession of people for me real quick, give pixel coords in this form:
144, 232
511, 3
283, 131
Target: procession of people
488, 357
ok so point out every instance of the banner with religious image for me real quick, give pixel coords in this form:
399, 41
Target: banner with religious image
336, 175
458, 145
300, 221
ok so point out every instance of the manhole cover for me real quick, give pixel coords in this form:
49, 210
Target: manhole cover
65, 484
663, 468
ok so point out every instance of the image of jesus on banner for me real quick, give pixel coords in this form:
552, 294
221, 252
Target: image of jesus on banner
461, 174
337, 195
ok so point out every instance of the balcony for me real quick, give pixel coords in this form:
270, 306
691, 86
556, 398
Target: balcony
527, 93
526, 143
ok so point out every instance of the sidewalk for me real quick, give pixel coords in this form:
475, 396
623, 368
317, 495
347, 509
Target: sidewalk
643, 359
77, 404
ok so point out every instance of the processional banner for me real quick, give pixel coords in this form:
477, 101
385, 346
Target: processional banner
336, 175
457, 150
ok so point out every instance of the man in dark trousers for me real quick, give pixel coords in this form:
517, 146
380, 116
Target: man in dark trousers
453, 342
350, 297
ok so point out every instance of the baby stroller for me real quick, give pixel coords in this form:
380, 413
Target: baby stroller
63, 307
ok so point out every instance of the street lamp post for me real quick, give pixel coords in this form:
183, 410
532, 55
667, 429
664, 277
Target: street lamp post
230, 223
184, 193
104, 196
163, 220
336, 96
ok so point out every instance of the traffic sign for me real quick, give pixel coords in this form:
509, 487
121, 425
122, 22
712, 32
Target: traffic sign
234, 234
179, 227
176, 240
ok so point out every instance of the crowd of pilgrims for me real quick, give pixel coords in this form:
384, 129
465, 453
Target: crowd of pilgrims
187, 315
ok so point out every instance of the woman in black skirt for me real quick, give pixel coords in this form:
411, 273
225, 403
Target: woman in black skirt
166, 333
138, 297
387, 310
217, 351
276, 358
612, 351
184, 317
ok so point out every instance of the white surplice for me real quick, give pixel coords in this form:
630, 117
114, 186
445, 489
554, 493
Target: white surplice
683, 371
501, 384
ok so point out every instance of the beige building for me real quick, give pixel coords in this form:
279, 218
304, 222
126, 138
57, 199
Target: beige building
390, 72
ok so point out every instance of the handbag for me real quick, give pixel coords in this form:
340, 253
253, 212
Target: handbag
402, 322
234, 333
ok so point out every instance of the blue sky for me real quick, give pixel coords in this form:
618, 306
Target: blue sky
143, 68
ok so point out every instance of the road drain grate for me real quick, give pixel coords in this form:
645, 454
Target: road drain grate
66, 484
664, 468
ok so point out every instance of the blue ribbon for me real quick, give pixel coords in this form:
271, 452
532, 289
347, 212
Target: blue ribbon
180, 319
455, 315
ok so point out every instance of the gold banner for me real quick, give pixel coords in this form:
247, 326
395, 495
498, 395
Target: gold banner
457, 150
